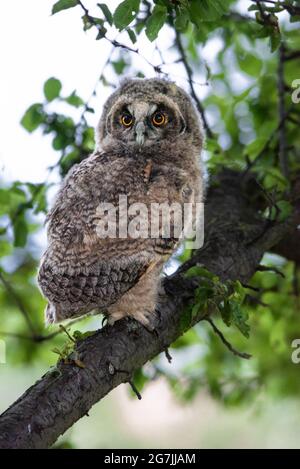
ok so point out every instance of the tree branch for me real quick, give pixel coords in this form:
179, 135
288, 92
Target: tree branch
226, 343
112, 355
114, 42
189, 73
283, 157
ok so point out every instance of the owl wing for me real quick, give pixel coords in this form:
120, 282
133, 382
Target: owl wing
81, 271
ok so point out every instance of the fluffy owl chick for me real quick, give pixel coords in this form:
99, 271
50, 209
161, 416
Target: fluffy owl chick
149, 141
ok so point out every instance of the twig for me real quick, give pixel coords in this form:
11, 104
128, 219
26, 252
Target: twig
135, 390
16, 336
40, 337
250, 287
262, 12
244, 355
33, 338
189, 73
62, 328
113, 42
264, 268
293, 120
93, 93
254, 299
295, 280
283, 158
270, 198
293, 10
292, 55
168, 356
116, 43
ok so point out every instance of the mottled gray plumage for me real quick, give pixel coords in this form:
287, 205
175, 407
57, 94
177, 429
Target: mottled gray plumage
149, 162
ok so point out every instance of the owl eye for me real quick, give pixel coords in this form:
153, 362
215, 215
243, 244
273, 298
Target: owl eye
126, 120
159, 119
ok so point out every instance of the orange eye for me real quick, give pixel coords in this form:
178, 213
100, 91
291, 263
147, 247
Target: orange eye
159, 119
126, 120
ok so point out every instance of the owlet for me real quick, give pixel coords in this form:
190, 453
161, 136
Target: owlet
108, 232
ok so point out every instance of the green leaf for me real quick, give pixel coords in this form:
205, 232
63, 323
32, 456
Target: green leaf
78, 335
295, 19
38, 194
206, 10
239, 291
41, 201
101, 32
182, 20
74, 100
20, 231
63, 5
5, 248
253, 8
239, 318
52, 88
185, 318
248, 63
69, 160
4, 201
266, 131
285, 208
232, 313
33, 117
119, 66
156, 21
131, 35
125, 13
274, 178
199, 271
275, 40
106, 12
225, 311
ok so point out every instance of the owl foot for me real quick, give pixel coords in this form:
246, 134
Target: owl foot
148, 319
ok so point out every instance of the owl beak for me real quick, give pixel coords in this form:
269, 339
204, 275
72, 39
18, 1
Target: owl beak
140, 133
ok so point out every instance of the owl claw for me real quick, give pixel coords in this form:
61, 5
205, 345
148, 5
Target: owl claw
104, 321
148, 319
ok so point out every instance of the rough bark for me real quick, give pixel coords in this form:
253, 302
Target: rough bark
236, 239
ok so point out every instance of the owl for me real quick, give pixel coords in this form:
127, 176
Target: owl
148, 148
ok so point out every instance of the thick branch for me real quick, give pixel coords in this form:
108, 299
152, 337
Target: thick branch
236, 239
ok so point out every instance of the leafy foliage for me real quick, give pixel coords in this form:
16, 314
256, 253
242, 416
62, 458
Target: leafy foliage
63, 5
125, 13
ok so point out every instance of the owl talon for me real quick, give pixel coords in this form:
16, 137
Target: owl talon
104, 321
148, 319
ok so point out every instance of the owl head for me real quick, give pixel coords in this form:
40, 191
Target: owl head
144, 112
